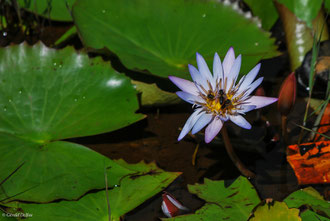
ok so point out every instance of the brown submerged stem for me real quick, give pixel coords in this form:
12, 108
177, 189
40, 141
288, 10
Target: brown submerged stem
284, 128
238, 163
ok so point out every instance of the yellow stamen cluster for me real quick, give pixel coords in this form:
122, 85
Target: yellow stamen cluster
219, 102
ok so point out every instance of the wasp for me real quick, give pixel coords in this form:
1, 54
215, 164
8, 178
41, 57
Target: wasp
222, 96
225, 104
223, 99
210, 96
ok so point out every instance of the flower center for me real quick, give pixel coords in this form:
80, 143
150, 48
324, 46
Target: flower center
219, 102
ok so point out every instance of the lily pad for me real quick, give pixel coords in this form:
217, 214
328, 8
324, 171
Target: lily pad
5, 218
310, 198
151, 95
53, 170
163, 36
277, 212
52, 9
309, 215
265, 10
131, 191
48, 95
305, 10
327, 5
225, 200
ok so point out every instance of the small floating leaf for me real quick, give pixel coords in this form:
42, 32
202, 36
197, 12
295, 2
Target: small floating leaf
277, 212
310, 198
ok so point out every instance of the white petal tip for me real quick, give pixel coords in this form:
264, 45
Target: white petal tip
231, 49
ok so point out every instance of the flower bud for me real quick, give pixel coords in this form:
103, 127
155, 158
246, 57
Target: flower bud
260, 91
170, 206
287, 96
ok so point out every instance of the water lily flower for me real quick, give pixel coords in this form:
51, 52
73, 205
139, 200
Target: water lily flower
219, 97
170, 206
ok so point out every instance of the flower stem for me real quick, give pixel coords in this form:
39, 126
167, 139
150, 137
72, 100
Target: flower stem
284, 128
238, 163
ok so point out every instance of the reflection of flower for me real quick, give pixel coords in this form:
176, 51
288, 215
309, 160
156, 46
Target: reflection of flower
217, 97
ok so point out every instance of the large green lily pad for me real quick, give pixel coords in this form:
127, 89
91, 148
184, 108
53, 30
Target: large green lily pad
58, 10
224, 200
47, 95
311, 199
277, 212
163, 36
132, 190
54, 170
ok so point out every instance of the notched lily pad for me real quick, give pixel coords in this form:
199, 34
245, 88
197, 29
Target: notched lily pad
163, 36
47, 95
127, 195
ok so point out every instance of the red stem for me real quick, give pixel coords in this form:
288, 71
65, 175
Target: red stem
238, 163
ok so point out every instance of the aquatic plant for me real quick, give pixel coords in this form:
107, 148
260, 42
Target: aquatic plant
217, 98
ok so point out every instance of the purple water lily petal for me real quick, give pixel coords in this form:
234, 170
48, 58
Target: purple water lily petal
228, 61
185, 85
253, 86
260, 101
202, 122
190, 98
190, 123
213, 129
246, 108
204, 69
240, 121
196, 76
234, 71
217, 68
249, 78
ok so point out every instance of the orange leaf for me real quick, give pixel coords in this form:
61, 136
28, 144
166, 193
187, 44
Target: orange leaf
310, 162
